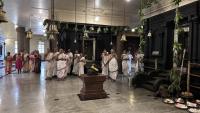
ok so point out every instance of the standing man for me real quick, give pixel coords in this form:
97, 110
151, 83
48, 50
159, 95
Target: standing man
62, 65
104, 62
76, 63
124, 58
130, 58
55, 57
26, 63
113, 65
49, 66
70, 55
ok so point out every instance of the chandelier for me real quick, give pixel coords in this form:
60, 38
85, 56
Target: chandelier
52, 28
2, 13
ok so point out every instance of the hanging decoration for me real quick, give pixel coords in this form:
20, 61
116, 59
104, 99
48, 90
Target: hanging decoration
149, 33
29, 32
123, 38
75, 29
85, 31
2, 13
51, 25
99, 30
111, 42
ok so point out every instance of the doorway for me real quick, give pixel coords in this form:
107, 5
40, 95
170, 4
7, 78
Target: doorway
89, 46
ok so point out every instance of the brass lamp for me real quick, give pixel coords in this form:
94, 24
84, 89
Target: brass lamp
123, 37
29, 34
2, 13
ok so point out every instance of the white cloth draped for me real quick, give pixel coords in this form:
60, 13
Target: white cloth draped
49, 65
104, 64
113, 68
130, 57
81, 66
125, 67
62, 65
76, 64
70, 61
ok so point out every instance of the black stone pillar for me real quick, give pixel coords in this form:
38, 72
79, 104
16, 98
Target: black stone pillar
23, 42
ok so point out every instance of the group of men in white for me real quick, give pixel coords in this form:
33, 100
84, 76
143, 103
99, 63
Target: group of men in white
59, 64
110, 64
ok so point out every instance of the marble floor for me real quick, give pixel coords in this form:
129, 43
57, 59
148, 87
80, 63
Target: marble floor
30, 93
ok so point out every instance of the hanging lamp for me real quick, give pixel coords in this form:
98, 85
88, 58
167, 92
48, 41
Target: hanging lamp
29, 32
85, 32
99, 29
2, 13
149, 33
75, 29
123, 38
111, 42
52, 29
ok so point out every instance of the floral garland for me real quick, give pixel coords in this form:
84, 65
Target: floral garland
175, 77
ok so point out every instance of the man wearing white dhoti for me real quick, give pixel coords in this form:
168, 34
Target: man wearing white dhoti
82, 62
113, 65
55, 57
124, 58
49, 65
104, 63
130, 58
70, 54
139, 57
76, 63
62, 65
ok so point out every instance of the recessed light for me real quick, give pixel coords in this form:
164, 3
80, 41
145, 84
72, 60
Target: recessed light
97, 18
128, 0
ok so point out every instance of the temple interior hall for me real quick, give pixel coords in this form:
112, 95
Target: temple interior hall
99, 56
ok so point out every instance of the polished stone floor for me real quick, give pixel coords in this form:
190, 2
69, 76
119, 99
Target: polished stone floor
30, 93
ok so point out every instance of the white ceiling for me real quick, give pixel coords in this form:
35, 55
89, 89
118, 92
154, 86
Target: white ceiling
28, 13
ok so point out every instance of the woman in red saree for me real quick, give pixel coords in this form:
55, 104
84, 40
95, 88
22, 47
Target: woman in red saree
8, 63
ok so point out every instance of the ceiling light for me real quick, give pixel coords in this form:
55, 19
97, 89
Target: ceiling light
97, 18
16, 26
45, 35
133, 30
128, 0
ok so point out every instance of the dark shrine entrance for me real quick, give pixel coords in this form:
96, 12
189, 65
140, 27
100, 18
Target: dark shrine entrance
89, 49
